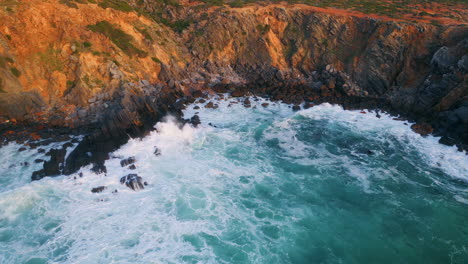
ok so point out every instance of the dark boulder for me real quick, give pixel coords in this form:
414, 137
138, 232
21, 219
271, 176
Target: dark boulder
195, 120
53, 167
98, 189
99, 168
133, 181
157, 151
127, 161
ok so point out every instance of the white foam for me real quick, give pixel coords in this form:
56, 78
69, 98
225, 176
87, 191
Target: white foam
194, 187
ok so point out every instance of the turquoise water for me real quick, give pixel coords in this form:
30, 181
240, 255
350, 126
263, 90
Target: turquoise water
262, 185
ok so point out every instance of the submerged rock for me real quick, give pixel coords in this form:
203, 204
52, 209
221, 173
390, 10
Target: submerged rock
133, 181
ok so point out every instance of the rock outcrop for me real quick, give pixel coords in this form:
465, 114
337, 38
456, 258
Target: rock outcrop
115, 69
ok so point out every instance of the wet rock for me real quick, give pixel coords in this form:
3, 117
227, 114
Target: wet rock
157, 151
40, 150
38, 160
98, 189
24, 164
247, 103
21, 149
296, 108
308, 105
53, 167
132, 181
237, 93
196, 107
211, 105
132, 167
423, 129
197, 94
195, 120
265, 104
127, 161
99, 168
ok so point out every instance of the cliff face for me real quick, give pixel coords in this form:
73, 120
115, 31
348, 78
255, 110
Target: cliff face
67, 64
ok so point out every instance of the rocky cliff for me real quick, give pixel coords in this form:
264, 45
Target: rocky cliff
75, 63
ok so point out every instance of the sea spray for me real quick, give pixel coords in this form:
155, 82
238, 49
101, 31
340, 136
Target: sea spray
249, 185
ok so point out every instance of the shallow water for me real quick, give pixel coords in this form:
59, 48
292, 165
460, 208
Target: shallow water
261, 185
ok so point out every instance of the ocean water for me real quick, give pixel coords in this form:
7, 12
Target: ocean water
256, 185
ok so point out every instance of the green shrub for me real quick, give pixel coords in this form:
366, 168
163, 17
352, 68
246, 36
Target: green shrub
116, 4
156, 60
8, 37
180, 25
263, 29
15, 72
118, 37
145, 33
70, 84
87, 44
1, 86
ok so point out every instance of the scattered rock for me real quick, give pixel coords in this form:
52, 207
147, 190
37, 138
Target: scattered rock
196, 107
157, 151
195, 120
132, 167
98, 189
296, 108
22, 149
247, 103
211, 105
265, 104
132, 181
127, 161
38, 160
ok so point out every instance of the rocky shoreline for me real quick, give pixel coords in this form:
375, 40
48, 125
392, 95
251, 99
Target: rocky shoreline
136, 114
79, 79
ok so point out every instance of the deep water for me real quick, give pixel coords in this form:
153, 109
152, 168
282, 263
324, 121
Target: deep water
258, 185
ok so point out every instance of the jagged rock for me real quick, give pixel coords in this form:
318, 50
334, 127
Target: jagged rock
99, 168
296, 108
195, 120
463, 63
53, 167
423, 129
157, 151
127, 161
132, 181
132, 167
98, 189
